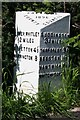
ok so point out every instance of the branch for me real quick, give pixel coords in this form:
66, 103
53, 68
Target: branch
7, 23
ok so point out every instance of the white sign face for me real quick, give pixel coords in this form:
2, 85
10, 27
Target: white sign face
27, 44
37, 45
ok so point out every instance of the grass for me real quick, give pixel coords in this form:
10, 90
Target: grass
56, 102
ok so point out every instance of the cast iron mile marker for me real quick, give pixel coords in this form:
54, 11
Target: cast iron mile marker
39, 54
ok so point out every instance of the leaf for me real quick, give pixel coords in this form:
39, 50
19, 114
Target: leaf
77, 44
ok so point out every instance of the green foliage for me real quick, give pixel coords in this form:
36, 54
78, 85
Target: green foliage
19, 106
74, 50
71, 90
71, 75
51, 100
46, 102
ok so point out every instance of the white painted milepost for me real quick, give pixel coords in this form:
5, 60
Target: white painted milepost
38, 52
